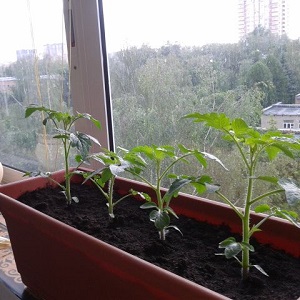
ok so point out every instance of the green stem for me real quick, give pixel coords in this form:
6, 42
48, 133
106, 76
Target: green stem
239, 148
157, 190
254, 228
246, 222
274, 192
230, 204
110, 197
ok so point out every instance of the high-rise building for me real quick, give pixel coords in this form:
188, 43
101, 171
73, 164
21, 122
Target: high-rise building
269, 14
26, 54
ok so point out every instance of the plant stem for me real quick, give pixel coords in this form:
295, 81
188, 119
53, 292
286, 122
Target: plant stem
274, 192
246, 222
67, 173
110, 197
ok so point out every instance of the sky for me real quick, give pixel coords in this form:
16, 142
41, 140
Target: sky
186, 22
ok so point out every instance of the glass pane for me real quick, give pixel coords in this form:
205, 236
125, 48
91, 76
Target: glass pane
33, 70
173, 57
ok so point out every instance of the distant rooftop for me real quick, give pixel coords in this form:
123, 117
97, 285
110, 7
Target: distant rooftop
280, 109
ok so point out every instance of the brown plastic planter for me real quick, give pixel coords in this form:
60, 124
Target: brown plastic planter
58, 262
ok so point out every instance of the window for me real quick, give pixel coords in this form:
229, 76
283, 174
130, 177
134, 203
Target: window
288, 124
33, 70
161, 60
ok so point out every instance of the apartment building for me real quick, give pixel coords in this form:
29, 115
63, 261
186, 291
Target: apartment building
282, 116
270, 14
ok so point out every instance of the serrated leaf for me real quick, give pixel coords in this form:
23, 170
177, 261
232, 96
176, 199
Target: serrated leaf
262, 208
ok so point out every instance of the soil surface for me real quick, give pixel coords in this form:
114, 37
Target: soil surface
191, 256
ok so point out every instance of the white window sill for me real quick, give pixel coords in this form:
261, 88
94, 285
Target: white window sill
11, 175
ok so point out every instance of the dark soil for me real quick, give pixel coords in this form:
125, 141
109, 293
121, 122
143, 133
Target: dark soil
191, 256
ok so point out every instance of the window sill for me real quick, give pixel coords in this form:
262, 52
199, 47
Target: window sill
11, 175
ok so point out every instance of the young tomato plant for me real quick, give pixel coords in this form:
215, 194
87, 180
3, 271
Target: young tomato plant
64, 126
113, 165
251, 145
163, 159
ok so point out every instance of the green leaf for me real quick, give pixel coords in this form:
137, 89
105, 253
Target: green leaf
176, 228
212, 157
271, 179
272, 152
160, 218
232, 250
144, 196
200, 158
247, 246
148, 205
146, 150
200, 187
227, 242
33, 108
89, 117
171, 211
284, 149
212, 188
292, 192
106, 175
290, 216
239, 126
214, 120
262, 208
175, 187
183, 149
117, 169
81, 142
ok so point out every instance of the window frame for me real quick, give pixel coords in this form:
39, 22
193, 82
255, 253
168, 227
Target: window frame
89, 67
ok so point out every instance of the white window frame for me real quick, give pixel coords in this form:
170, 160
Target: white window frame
288, 124
87, 65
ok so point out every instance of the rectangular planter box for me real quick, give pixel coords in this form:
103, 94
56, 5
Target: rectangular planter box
58, 262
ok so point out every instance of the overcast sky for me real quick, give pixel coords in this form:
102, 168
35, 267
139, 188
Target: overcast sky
187, 22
